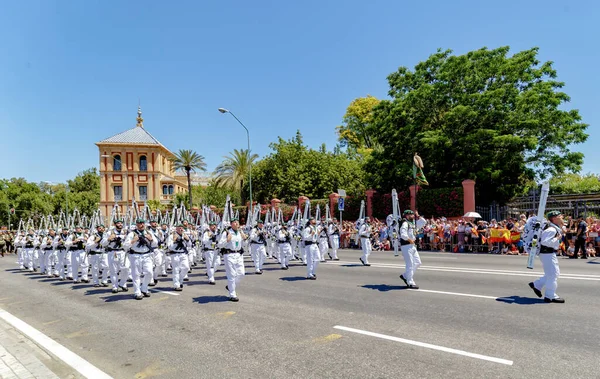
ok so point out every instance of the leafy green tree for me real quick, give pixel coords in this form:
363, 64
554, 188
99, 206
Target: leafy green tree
575, 184
484, 115
216, 195
189, 161
293, 170
234, 170
355, 132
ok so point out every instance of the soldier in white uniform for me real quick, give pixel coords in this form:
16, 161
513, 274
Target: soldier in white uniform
62, 254
46, 253
158, 257
97, 257
258, 243
334, 239
113, 244
141, 243
323, 240
549, 245
284, 239
76, 245
17, 243
412, 260
178, 245
365, 241
231, 247
29, 243
211, 254
310, 236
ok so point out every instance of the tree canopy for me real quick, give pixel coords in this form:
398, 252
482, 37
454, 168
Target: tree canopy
293, 169
484, 115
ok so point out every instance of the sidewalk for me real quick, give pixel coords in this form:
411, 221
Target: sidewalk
20, 358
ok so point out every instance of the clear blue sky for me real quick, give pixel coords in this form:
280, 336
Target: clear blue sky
71, 72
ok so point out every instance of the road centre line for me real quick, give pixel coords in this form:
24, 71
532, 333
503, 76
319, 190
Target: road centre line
464, 294
70, 358
426, 345
476, 271
167, 292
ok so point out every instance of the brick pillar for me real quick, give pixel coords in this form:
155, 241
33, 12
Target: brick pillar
469, 195
332, 203
413, 196
275, 203
370, 193
301, 201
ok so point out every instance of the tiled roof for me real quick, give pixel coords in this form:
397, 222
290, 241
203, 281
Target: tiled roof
136, 135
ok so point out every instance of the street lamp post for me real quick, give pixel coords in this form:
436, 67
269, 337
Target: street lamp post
223, 110
126, 178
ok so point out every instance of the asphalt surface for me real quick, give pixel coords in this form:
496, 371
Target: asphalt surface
284, 325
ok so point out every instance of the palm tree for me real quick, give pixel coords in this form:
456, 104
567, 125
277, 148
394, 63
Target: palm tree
234, 170
188, 160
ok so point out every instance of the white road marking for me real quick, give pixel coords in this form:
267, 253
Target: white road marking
82, 366
464, 294
534, 274
167, 292
427, 345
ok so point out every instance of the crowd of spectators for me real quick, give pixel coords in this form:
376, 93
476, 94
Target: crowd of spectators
468, 235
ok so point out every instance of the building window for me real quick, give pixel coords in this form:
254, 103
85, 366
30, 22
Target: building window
143, 193
143, 163
118, 193
170, 190
165, 190
117, 163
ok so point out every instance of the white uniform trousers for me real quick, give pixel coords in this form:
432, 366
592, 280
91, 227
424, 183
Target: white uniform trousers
21, 257
334, 240
181, 264
551, 274
313, 257
412, 261
44, 258
78, 261
31, 258
118, 268
365, 243
285, 253
258, 255
192, 256
63, 258
234, 269
99, 262
211, 258
323, 248
159, 263
141, 264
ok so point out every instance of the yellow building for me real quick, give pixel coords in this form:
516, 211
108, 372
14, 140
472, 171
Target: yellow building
135, 165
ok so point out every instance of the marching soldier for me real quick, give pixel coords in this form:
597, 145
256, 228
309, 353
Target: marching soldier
284, 239
158, 258
365, 241
550, 243
113, 244
178, 245
412, 260
63, 257
258, 242
29, 243
76, 245
334, 239
18, 242
310, 235
164, 228
231, 248
48, 253
97, 257
209, 247
323, 241
140, 243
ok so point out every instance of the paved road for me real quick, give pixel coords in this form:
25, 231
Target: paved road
284, 325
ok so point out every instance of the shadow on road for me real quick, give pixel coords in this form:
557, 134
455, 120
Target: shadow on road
210, 299
62, 283
13, 269
98, 291
111, 299
353, 265
520, 300
293, 278
383, 287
